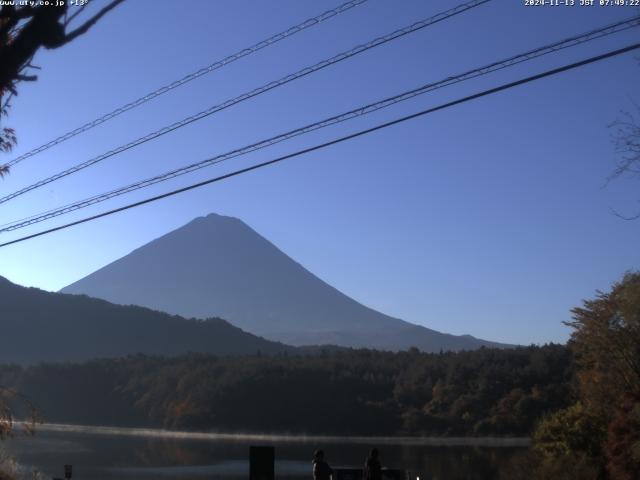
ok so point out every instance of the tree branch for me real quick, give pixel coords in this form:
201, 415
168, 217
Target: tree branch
624, 217
26, 78
84, 28
78, 12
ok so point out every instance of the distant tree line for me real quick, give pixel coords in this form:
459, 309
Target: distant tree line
351, 392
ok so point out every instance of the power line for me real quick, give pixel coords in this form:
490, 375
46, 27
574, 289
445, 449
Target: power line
253, 93
192, 76
360, 133
495, 66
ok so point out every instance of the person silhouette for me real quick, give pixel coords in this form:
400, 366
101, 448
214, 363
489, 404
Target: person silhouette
372, 466
321, 469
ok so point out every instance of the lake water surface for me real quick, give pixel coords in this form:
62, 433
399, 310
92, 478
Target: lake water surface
127, 454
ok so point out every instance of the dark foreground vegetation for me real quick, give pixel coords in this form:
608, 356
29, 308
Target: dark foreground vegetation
598, 435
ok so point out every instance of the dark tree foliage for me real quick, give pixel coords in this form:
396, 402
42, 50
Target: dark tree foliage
602, 428
623, 440
352, 392
25, 29
606, 341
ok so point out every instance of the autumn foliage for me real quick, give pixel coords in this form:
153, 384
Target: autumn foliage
603, 428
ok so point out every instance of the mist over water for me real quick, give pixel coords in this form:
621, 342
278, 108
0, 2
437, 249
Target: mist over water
103, 453
283, 438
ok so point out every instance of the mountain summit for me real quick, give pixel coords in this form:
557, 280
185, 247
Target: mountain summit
218, 266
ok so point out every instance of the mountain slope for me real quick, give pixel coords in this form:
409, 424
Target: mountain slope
41, 326
217, 265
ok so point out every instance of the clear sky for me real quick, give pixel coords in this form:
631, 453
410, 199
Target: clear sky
491, 218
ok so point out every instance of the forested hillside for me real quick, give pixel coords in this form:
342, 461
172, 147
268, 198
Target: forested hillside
44, 326
483, 392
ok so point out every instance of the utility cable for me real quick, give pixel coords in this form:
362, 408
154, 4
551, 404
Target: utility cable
192, 76
495, 66
253, 93
345, 138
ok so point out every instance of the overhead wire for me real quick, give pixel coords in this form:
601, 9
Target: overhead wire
360, 111
253, 93
336, 141
310, 22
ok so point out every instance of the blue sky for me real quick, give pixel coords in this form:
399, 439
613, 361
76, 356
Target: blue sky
491, 218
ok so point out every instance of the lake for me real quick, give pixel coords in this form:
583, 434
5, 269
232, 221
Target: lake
100, 453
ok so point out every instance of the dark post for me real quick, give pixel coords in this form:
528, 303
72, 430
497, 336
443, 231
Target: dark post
261, 463
68, 471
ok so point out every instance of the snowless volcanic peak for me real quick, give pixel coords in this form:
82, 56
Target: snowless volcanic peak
219, 266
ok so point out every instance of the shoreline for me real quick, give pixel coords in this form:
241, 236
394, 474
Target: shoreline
507, 442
